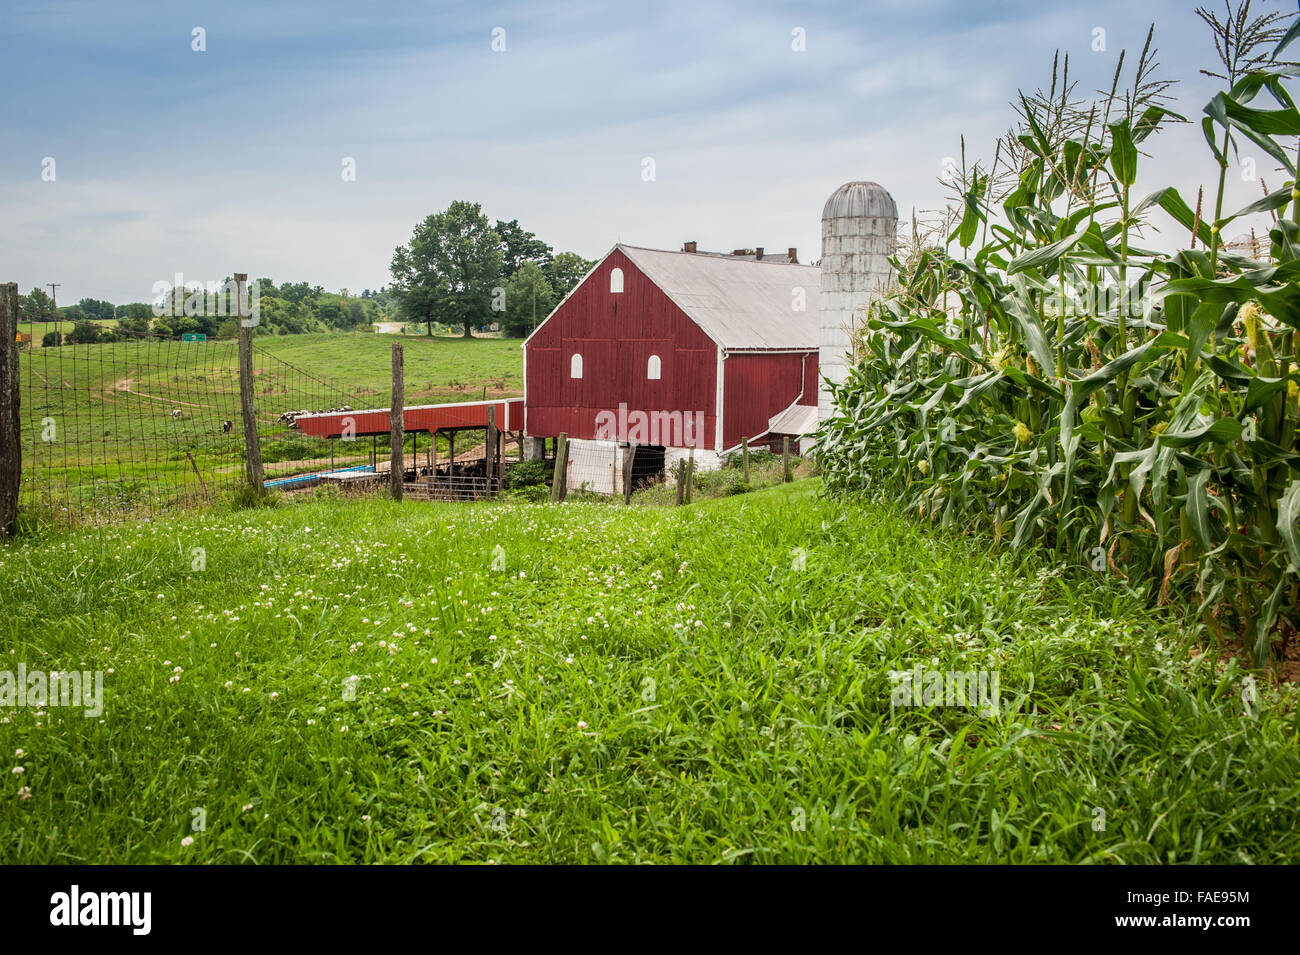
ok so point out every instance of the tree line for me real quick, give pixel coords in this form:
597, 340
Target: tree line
461, 270
291, 308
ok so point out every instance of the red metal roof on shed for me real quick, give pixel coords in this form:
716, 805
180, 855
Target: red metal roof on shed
461, 414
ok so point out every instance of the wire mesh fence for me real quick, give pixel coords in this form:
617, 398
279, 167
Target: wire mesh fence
138, 426
142, 425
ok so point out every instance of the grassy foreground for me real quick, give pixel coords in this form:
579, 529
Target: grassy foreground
636, 685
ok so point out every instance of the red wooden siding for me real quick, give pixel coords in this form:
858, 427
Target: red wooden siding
757, 386
616, 333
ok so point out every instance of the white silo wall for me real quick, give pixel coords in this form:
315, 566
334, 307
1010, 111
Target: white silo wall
854, 270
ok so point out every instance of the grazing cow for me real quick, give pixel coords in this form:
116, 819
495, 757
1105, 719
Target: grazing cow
226, 426
178, 413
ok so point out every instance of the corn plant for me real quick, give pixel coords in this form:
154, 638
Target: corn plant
1055, 380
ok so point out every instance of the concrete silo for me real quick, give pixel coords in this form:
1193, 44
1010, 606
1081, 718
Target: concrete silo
859, 223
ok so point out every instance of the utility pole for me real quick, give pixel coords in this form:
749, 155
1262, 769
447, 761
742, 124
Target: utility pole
54, 295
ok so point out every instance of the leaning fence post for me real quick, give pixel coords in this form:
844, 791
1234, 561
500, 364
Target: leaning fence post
252, 441
11, 462
561, 467
396, 433
744, 456
628, 459
490, 463
785, 456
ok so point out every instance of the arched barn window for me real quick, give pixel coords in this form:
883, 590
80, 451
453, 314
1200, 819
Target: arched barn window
652, 368
575, 366
616, 280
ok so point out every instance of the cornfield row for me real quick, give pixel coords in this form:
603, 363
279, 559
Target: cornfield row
1060, 384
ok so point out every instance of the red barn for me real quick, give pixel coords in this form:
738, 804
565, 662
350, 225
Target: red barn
694, 349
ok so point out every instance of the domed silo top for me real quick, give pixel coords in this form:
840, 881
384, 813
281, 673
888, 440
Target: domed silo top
858, 200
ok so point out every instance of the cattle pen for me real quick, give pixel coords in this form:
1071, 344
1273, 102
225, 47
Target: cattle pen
474, 473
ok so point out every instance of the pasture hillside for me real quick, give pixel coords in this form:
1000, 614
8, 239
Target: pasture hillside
140, 426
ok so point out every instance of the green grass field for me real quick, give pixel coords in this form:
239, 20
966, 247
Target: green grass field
116, 446
705, 684
38, 330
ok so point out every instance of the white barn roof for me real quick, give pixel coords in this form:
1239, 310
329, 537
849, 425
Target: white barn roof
739, 303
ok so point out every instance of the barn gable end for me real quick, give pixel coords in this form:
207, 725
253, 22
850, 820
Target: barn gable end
730, 339
617, 334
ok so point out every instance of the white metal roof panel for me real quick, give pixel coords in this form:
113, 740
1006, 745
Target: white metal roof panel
796, 419
739, 303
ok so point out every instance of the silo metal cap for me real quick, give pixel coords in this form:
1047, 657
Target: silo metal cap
858, 200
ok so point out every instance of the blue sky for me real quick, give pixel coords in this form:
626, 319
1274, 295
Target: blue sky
170, 160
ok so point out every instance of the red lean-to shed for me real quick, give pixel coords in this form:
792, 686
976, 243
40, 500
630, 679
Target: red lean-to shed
726, 341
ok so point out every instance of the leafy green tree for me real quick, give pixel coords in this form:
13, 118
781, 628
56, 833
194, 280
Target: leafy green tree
518, 247
295, 292
134, 318
37, 307
529, 299
448, 271
83, 332
330, 313
52, 340
566, 270
96, 310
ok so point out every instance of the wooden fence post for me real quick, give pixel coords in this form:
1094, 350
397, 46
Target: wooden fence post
433, 462
785, 456
490, 448
744, 456
252, 442
558, 489
396, 426
690, 474
628, 459
11, 452
679, 472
